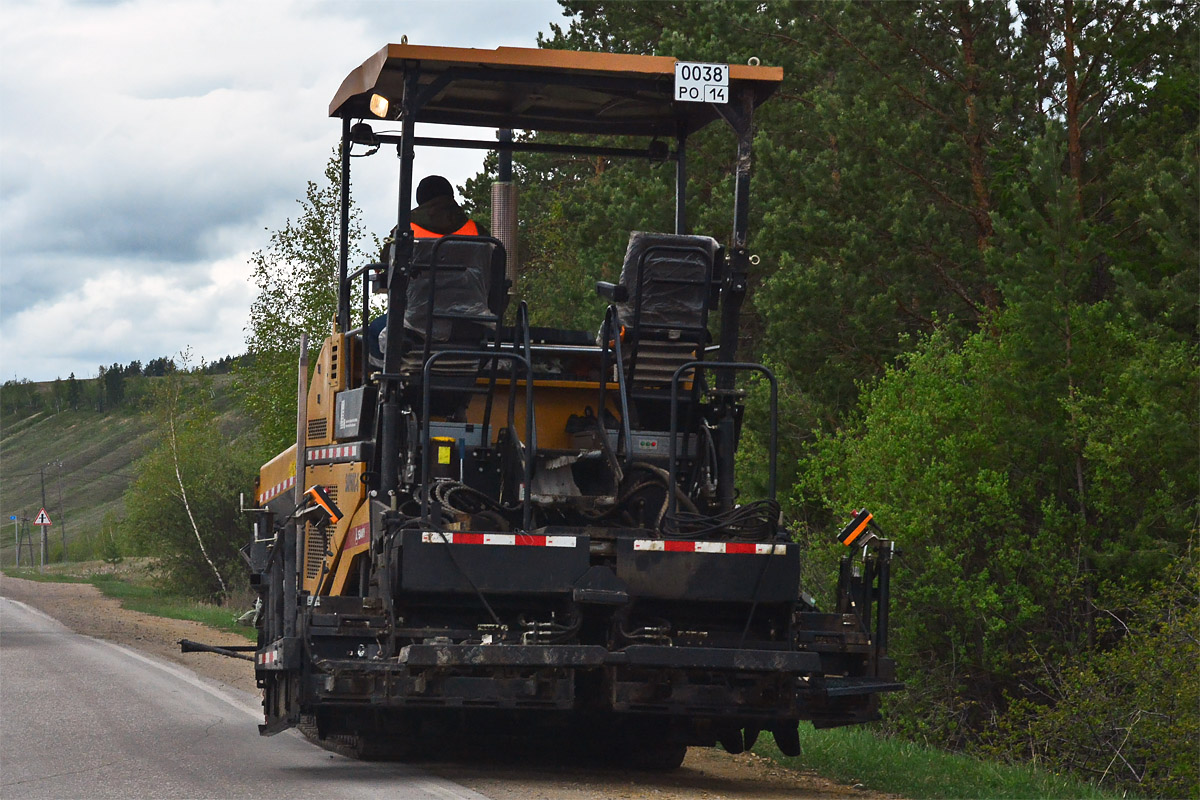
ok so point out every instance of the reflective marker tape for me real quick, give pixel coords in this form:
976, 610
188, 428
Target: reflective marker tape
339, 453
278, 488
722, 548
504, 539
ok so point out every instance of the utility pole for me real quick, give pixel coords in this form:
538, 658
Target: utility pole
62, 515
45, 540
23, 538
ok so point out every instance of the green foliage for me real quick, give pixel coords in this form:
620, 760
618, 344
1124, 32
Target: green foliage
20, 398
1028, 491
1125, 716
296, 277
110, 547
182, 507
859, 755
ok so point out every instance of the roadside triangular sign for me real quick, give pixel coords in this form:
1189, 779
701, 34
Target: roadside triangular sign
42, 518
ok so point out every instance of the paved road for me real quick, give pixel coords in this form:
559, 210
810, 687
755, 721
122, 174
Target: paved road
83, 718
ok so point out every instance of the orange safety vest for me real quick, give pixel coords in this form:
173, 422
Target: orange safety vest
466, 230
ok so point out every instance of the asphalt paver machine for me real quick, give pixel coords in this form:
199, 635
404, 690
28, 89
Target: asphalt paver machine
500, 529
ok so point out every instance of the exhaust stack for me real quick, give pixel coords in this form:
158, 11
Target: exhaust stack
504, 210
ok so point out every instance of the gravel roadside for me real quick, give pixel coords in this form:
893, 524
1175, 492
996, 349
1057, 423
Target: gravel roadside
706, 773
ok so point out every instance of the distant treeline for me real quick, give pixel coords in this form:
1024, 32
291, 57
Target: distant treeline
113, 386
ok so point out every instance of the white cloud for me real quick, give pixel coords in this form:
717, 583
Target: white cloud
145, 146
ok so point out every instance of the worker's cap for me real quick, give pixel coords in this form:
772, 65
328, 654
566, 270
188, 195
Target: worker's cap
433, 186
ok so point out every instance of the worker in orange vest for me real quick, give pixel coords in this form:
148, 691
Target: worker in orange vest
437, 214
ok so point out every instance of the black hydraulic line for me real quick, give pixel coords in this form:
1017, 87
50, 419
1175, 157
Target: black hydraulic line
762, 571
425, 423
723, 367
444, 538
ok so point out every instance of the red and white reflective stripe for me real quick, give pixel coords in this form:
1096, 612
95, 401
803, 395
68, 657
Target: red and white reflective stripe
275, 490
515, 539
358, 535
269, 657
346, 451
725, 548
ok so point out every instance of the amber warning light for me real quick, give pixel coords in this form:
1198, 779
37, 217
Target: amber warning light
320, 499
855, 529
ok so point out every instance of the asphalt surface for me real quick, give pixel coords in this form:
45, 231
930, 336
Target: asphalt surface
84, 718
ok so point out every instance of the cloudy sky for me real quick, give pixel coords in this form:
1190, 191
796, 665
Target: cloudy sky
146, 147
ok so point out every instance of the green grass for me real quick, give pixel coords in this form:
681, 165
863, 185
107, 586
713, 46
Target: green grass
148, 599
31, 574
856, 755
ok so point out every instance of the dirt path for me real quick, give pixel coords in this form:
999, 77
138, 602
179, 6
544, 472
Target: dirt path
706, 773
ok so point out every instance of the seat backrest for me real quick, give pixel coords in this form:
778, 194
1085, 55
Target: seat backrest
668, 280
466, 286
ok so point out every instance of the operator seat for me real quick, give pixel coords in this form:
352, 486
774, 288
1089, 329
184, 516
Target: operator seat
455, 300
665, 291
456, 297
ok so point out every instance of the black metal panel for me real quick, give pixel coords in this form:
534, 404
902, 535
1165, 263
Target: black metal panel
766, 698
355, 413
848, 687
441, 567
715, 658
501, 655
718, 577
282, 654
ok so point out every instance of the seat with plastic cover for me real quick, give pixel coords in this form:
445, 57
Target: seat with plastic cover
665, 291
455, 298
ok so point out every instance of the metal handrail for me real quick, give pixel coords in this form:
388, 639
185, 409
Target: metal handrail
526, 508
612, 328
743, 366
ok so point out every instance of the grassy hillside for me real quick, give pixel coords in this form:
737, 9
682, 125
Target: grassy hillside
98, 452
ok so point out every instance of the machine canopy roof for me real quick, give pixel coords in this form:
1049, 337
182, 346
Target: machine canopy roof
533, 89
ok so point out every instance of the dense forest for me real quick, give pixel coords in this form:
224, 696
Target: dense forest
978, 231
978, 228
113, 386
